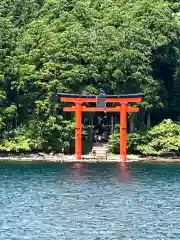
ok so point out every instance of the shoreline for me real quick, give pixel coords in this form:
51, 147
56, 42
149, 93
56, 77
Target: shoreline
61, 158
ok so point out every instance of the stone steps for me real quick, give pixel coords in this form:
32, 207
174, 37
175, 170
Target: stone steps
100, 150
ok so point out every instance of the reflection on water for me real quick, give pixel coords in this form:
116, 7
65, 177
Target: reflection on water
89, 201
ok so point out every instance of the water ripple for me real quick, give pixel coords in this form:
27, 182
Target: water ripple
94, 202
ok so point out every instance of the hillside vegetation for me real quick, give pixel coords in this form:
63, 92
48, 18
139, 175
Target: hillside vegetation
49, 46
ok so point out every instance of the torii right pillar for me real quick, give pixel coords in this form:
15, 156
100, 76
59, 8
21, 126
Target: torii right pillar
123, 132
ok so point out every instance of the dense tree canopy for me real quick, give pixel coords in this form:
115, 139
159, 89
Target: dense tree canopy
46, 46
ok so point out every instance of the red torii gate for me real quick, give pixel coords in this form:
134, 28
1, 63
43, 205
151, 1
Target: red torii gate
78, 100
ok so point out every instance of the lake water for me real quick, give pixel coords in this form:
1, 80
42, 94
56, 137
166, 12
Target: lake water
95, 201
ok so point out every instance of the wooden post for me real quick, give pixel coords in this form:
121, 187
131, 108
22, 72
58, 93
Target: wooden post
78, 131
123, 131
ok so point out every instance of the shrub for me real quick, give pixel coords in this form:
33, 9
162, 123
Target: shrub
114, 143
15, 145
133, 140
163, 139
41, 136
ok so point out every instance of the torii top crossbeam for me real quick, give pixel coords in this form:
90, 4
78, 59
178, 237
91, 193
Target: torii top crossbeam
129, 98
79, 99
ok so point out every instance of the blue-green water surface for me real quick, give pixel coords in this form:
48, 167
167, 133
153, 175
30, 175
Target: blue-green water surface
95, 201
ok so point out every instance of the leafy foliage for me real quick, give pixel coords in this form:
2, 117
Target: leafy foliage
163, 139
50, 46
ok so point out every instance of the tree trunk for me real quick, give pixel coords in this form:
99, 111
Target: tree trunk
131, 125
112, 124
148, 119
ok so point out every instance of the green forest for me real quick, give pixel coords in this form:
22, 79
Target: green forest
80, 46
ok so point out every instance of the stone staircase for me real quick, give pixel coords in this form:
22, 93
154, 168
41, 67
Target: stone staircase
99, 150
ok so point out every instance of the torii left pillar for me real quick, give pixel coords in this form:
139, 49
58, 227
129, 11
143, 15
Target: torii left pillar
78, 131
